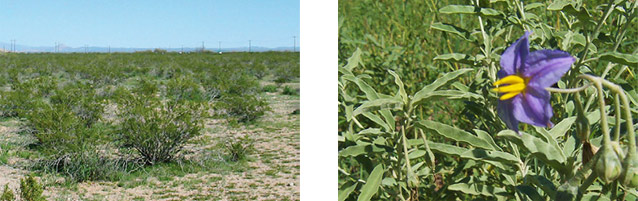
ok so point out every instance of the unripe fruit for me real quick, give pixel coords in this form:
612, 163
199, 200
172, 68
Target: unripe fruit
629, 178
608, 166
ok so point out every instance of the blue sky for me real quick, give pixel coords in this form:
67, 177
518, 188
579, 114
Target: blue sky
150, 24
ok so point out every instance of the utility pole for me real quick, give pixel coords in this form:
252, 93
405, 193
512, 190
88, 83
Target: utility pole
203, 46
294, 43
249, 45
220, 47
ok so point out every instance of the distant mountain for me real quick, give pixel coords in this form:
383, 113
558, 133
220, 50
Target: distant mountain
63, 48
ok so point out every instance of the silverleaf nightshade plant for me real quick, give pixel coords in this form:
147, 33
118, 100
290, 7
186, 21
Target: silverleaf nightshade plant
522, 81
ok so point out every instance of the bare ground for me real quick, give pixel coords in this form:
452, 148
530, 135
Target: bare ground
272, 173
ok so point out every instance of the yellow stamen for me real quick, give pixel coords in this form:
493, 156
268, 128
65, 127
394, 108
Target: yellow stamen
510, 88
512, 79
514, 85
509, 95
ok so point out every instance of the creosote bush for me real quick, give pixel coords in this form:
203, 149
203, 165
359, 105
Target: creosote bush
243, 109
158, 129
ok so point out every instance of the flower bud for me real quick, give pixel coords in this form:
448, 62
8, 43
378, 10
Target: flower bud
608, 166
629, 178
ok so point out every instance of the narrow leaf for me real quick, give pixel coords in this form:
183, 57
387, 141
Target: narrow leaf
451, 29
475, 189
377, 104
455, 57
345, 192
454, 134
620, 58
372, 184
354, 60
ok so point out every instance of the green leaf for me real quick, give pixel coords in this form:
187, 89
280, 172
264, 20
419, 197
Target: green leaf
370, 131
568, 7
537, 147
354, 60
357, 150
425, 91
416, 154
562, 127
475, 189
372, 184
456, 57
371, 94
474, 154
454, 134
529, 191
377, 104
540, 181
401, 92
620, 58
558, 5
487, 138
473, 10
451, 29
345, 192
376, 119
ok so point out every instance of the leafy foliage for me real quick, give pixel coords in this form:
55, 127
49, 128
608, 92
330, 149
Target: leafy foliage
416, 111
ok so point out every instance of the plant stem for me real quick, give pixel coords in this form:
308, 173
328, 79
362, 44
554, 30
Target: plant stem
618, 114
603, 113
565, 91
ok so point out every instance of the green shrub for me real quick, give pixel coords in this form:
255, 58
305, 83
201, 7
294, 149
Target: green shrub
60, 130
243, 108
289, 91
269, 88
259, 70
30, 189
185, 88
156, 129
7, 194
239, 148
81, 100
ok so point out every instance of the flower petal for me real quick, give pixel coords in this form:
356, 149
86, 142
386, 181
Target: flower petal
505, 109
533, 107
546, 67
514, 56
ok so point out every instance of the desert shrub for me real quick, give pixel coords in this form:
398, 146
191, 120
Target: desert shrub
30, 189
269, 88
146, 86
289, 91
243, 108
7, 194
58, 129
156, 129
185, 88
259, 70
19, 99
239, 148
81, 100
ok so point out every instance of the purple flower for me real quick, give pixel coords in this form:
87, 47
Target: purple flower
522, 81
